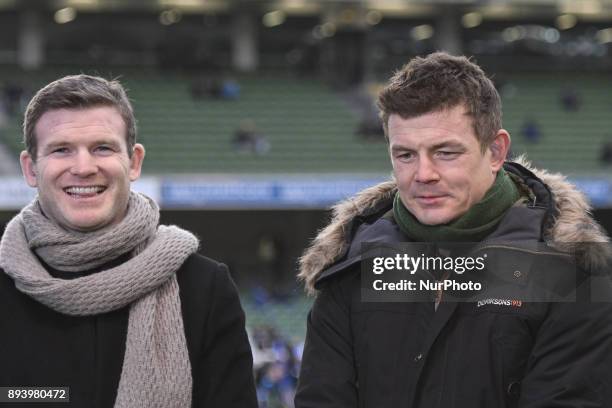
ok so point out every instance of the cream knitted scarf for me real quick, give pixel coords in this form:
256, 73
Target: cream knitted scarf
156, 370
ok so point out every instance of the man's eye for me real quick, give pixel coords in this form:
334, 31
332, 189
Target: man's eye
405, 156
104, 148
447, 154
59, 150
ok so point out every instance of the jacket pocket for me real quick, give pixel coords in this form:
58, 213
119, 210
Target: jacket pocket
513, 352
492, 356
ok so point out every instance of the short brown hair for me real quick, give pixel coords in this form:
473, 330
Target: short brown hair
438, 82
78, 92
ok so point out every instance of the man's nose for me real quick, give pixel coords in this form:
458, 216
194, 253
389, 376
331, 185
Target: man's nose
84, 164
426, 171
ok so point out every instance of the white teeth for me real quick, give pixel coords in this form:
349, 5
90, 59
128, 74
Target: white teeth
84, 190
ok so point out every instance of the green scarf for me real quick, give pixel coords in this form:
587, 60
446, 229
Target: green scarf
478, 222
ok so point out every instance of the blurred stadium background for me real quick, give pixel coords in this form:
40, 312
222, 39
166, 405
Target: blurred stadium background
259, 115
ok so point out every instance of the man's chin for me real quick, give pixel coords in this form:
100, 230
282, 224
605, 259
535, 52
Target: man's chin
433, 220
86, 223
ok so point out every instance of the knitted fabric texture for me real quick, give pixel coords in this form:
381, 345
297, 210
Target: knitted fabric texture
156, 369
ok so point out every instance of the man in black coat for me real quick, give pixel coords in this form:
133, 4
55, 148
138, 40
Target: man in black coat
538, 333
96, 295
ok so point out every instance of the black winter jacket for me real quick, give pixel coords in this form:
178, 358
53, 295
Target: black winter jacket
464, 355
41, 347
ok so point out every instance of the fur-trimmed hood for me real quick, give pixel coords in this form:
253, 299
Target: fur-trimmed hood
571, 227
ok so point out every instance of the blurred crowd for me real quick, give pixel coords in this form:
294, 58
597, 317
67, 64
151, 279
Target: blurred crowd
276, 363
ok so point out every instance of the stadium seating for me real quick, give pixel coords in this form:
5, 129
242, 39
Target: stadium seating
570, 141
307, 126
288, 317
311, 129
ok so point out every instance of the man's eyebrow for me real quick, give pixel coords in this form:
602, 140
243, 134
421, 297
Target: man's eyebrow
111, 142
448, 144
53, 145
400, 148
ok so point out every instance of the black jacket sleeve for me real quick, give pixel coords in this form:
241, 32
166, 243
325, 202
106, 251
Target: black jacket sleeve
571, 362
224, 372
328, 377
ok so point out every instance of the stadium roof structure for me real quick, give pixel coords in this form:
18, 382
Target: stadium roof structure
302, 168
585, 9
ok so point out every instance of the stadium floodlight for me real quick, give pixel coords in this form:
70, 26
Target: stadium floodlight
471, 20
566, 21
65, 15
324, 30
373, 17
422, 32
515, 33
273, 18
604, 36
168, 17
181, 3
580, 7
82, 4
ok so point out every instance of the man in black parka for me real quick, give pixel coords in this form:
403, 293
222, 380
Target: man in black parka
452, 183
96, 295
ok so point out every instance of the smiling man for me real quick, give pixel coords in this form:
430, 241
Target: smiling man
96, 295
452, 184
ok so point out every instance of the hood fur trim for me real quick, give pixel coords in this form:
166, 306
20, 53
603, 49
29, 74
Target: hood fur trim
572, 230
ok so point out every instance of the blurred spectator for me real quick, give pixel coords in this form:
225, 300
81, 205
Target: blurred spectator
531, 130
230, 89
570, 100
202, 87
260, 144
248, 139
212, 87
276, 367
275, 388
260, 295
606, 153
363, 101
244, 136
370, 128
269, 256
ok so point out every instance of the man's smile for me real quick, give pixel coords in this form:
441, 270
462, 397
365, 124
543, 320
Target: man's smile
84, 191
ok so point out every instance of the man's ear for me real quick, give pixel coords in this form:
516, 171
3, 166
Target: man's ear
28, 168
499, 148
138, 154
